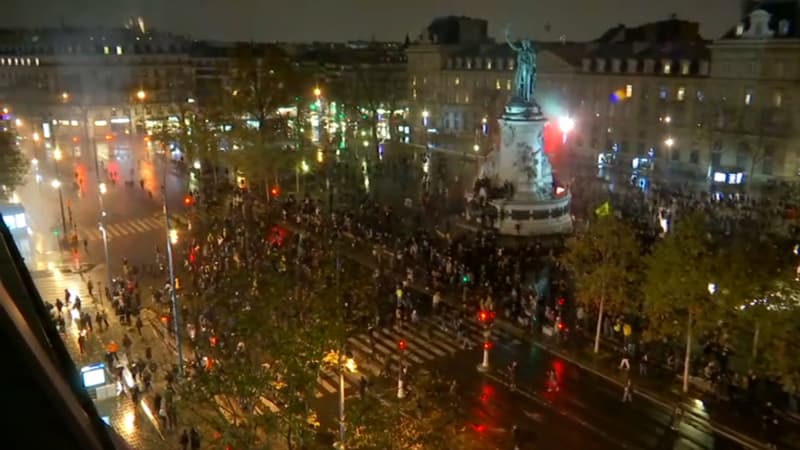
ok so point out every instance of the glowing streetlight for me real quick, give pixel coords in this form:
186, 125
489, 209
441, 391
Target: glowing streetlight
196, 165
141, 94
669, 142
712, 288
173, 236
425, 114
476, 147
18, 122
56, 184
668, 119
35, 162
103, 188
317, 92
35, 137
57, 154
304, 166
65, 96
566, 124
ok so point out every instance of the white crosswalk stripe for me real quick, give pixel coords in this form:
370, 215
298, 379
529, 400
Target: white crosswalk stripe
129, 227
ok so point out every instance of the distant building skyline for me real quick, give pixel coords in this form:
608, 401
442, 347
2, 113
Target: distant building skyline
344, 20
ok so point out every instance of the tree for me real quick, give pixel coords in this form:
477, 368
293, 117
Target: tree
756, 266
605, 262
13, 165
680, 285
263, 80
267, 344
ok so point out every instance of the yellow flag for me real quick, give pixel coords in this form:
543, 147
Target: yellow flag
603, 210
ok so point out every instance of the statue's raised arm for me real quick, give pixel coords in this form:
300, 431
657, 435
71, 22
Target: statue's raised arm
508, 39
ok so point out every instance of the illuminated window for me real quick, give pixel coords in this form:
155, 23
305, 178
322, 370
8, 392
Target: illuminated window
119, 50
662, 93
488, 64
508, 85
510, 64
27, 61
629, 90
667, 67
414, 93
497, 84
681, 94
106, 50
469, 63
466, 98
748, 98
414, 81
685, 66
36, 61
457, 81
700, 96
777, 99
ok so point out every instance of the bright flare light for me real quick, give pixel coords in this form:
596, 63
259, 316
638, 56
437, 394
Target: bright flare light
18, 122
669, 142
476, 147
103, 188
57, 154
35, 137
141, 95
173, 236
566, 124
196, 165
56, 184
35, 162
317, 92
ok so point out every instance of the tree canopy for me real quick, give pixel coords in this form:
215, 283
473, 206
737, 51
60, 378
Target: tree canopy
13, 165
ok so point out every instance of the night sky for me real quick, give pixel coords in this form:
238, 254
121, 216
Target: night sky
339, 20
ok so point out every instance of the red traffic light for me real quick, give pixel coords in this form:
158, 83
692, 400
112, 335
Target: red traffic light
402, 345
188, 200
486, 317
487, 345
275, 191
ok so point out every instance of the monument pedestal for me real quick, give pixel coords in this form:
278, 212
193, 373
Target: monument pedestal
533, 218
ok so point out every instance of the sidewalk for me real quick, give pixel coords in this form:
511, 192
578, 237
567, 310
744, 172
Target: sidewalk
667, 393
133, 422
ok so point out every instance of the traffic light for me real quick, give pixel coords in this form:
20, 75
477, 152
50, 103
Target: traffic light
487, 345
486, 317
402, 344
465, 278
275, 191
188, 200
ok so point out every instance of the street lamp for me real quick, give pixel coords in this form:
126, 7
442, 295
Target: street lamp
56, 184
669, 142
57, 154
566, 124
346, 362
476, 147
65, 96
172, 238
35, 137
317, 92
141, 94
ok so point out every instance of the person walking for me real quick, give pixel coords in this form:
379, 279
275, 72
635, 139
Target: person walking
194, 439
184, 439
82, 343
90, 287
627, 391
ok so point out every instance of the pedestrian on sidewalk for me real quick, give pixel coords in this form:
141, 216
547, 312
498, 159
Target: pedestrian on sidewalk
194, 439
59, 306
644, 361
624, 362
126, 344
82, 343
627, 391
90, 287
184, 440
139, 325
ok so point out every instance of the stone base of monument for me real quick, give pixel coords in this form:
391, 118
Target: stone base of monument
518, 217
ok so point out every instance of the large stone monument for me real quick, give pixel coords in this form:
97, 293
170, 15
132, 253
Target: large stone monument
515, 192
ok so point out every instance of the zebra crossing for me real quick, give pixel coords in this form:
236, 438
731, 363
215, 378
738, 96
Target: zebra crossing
425, 342
52, 286
131, 227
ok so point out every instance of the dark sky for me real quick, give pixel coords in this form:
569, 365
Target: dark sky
306, 20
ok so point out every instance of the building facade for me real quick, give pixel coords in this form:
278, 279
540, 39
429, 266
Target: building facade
720, 111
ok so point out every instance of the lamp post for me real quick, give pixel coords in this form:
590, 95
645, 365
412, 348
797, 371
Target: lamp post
172, 237
401, 391
57, 185
102, 225
346, 362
